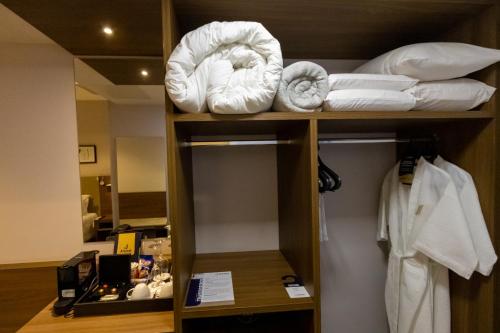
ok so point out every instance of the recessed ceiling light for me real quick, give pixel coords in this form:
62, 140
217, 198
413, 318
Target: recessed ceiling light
144, 73
107, 30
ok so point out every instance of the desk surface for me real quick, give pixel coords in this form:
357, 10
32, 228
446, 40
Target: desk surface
153, 322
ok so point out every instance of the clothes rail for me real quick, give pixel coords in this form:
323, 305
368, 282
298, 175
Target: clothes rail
320, 141
236, 143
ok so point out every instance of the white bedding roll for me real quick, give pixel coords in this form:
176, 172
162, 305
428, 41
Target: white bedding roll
227, 67
303, 88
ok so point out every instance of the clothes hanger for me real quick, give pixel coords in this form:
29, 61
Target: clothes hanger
324, 180
431, 150
417, 147
328, 180
333, 180
321, 184
423, 147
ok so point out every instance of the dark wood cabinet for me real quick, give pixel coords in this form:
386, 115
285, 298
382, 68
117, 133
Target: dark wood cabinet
103, 227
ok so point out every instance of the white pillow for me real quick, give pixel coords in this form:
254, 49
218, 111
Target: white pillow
368, 100
432, 61
370, 81
451, 95
85, 203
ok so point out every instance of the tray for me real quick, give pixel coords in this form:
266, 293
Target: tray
93, 308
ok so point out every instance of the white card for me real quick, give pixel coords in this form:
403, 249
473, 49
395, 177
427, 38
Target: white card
297, 292
216, 287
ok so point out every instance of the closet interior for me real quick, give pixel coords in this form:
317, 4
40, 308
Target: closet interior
322, 30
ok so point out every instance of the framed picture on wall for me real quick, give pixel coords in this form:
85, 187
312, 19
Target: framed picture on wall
87, 154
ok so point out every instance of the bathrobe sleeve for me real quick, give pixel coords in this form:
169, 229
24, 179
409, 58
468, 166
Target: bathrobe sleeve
443, 235
477, 227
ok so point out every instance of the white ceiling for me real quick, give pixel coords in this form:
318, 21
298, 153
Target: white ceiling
14, 29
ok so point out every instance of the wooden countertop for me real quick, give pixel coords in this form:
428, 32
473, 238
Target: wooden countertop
151, 322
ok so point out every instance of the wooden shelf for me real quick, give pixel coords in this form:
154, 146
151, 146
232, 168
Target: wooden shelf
256, 282
351, 115
273, 123
206, 117
364, 115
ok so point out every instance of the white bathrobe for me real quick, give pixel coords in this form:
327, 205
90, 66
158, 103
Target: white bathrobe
428, 232
472, 209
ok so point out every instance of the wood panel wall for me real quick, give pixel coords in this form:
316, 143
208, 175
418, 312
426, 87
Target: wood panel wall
298, 209
138, 205
23, 293
105, 197
472, 146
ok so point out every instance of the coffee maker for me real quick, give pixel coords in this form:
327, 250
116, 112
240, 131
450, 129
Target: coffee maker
74, 278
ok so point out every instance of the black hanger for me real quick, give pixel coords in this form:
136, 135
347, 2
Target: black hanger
321, 182
328, 180
430, 150
423, 147
418, 147
332, 179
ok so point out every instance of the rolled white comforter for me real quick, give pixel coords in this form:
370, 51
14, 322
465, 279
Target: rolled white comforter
225, 67
303, 88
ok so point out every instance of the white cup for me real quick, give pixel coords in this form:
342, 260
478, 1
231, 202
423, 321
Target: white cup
160, 289
166, 290
141, 291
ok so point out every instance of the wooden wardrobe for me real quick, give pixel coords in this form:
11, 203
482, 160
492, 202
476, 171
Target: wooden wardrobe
336, 29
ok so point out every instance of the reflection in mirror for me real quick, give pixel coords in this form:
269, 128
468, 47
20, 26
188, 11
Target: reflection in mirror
95, 167
140, 165
122, 149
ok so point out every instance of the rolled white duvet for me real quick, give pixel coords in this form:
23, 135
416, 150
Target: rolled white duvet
303, 88
225, 67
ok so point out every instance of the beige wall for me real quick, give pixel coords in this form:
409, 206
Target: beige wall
94, 129
235, 198
40, 207
140, 164
137, 120
39, 184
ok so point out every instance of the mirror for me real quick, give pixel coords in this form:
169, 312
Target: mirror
142, 196
122, 151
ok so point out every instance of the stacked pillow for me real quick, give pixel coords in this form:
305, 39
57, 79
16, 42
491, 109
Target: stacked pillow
437, 66
450, 95
369, 92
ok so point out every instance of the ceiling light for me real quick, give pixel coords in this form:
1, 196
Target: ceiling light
144, 73
76, 83
107, 30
